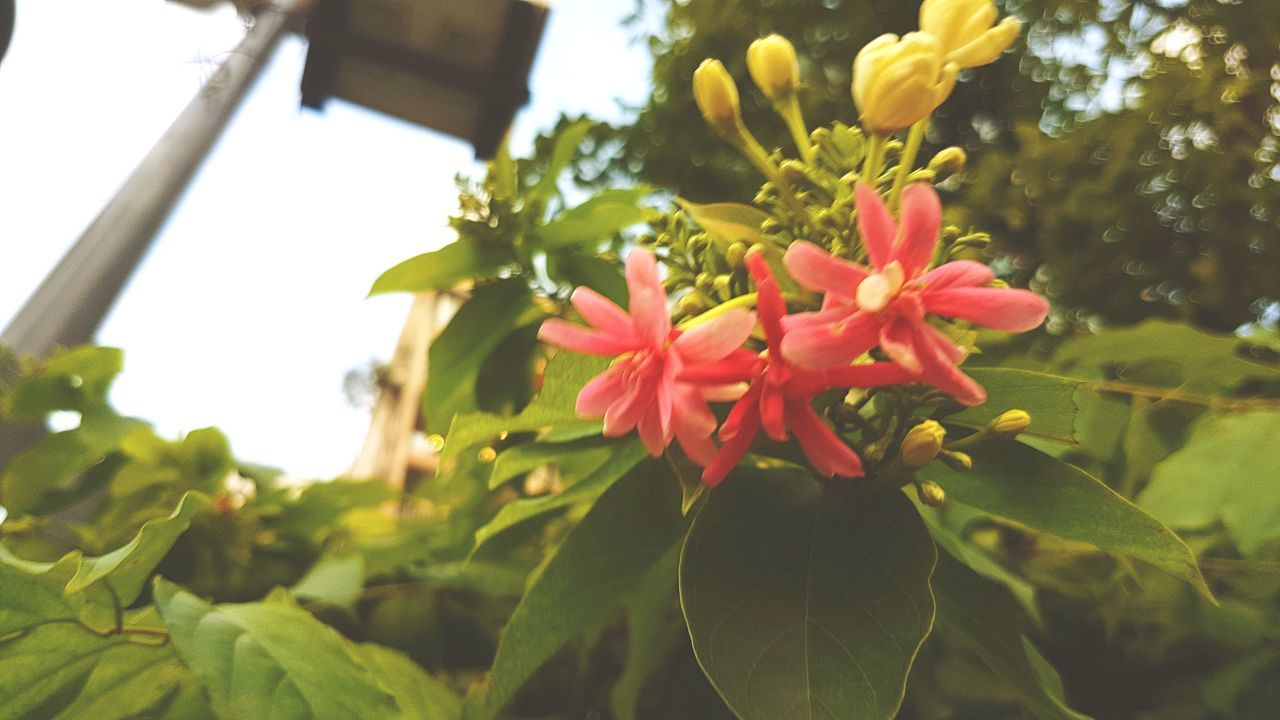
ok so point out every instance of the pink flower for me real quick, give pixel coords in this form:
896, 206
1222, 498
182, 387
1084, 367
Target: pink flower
887, 303
641, 390
781, 395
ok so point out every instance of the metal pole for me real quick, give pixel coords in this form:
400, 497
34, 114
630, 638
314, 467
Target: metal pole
70, 304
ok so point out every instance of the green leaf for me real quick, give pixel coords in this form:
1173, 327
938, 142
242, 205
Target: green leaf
1016, 482
553, 407
65, 672
200, 461
71, 379
35, 475
573, 460
595, 220
625, 456
601, 275
270, 659
126, 568
333, 579
1050, 399
566, 146
981, 617
804, 603
1204, 359
463, 259
650, 632
1228, 471
599, 563
458, 354
419, 695
321, 505
729, 222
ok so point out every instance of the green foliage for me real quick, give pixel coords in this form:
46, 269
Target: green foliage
804, 603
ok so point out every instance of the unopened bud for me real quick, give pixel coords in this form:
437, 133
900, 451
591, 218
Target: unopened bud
922, 443
722, 284
693, 303
898, 81
964, 29
717, 98
948, 161
1010, 424
793, 172
736, 255
931, 493
772, 63
704, 281
956, 460
975, 240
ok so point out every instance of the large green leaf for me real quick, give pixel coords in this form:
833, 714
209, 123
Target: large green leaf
566, 374
982, 617
566, 146
38, 473
728, 222
1050, 399
803, 603
597, 219
1019, 483
75, 379
463, 259
64, 671
629, 528
420, 696
573, 460
595, 272
456, 357
199, 461
333, 579
124, 569
1203, 358
1228, 471
271, 659
650, 630
317, 510
625, 456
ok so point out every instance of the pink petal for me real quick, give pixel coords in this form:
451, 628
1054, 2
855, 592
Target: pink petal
875, 224
747, 408
921, 220
624, 414
816, 269
872, 375
701, 450
773, 412
897, 341
938, 371
960, 273
824, 346
944, 344
599, 310
664, 399
580, 339
724, 393
769, 302
733, 449
692, 416
739, 366
999, 308
648, 299
828, 454
836, 312
651, 434
599, 393
715, 338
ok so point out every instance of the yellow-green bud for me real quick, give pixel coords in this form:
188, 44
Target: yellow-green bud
793, 172
772, 63
721, 284
736, 255
717, 98
1010, 424
931, 493
693, 303
948, 161
898, 81
922, 443
956, 460
965, 30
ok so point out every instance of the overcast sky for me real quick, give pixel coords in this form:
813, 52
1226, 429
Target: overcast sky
250, 307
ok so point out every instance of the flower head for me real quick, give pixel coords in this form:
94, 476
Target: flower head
967, 30
717, 97
898, 81
780, 396
641, 389
772, 63
887, 304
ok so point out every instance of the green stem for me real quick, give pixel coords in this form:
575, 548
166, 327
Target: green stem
871, 164
756, 153
790, 112
742, 301
907, 163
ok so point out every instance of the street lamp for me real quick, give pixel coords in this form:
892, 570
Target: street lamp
457, 66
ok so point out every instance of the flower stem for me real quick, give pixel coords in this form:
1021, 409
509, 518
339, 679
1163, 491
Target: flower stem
871, 164
742, 301
794, 118
907, 163
754, 152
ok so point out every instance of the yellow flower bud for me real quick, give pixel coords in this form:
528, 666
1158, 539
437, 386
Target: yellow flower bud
1010, 424
964, 28
898, 81
717, 97
948, 161
922, 443
956, 460
931, 493
772, 63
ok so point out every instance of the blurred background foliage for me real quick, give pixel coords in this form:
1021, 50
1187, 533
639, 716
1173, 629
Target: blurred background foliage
1125, 152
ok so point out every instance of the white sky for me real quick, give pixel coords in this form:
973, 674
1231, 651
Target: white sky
250, 307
